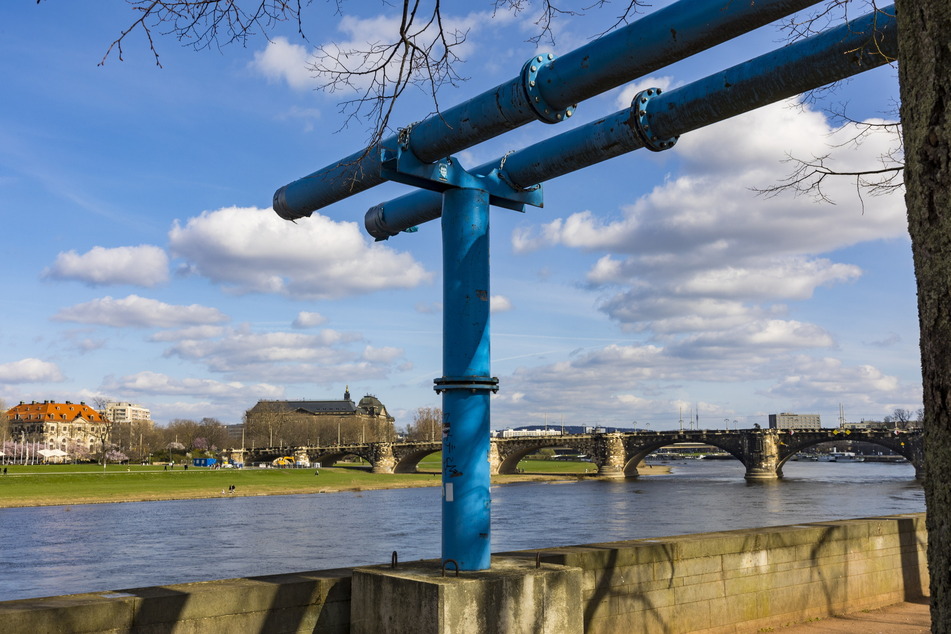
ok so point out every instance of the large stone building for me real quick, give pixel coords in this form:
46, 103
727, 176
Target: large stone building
305, 422
794, 421
74, 428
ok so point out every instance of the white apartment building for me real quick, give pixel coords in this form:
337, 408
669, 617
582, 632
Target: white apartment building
126, 413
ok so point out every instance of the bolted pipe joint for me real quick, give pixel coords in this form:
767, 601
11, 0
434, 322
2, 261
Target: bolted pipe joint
544, 111
640, 109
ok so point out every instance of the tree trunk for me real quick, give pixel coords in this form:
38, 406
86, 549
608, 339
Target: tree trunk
925, 79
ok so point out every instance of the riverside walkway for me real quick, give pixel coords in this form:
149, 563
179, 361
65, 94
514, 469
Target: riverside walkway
901, 618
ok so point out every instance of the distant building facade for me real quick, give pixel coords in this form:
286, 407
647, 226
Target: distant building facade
307, 422
126, 413
70, 427
794, 421
874, 425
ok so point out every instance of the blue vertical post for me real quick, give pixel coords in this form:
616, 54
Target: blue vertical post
466, 385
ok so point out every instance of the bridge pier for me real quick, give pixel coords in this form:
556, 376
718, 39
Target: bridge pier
609, 455
382, 459
495, 458
761, 448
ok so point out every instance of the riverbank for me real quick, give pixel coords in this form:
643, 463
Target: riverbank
64, 485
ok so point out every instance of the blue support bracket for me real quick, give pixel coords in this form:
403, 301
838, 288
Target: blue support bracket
402, 166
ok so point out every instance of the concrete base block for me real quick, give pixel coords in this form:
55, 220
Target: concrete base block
513, 597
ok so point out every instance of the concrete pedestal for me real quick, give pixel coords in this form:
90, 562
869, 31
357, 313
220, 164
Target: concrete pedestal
513, 597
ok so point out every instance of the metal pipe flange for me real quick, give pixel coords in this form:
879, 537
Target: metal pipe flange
642, 125
543, 110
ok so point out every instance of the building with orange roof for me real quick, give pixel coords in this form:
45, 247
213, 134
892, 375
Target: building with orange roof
74, 428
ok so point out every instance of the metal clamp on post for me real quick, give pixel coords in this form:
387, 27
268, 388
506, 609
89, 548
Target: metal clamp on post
473, 383
642, 122
543, 110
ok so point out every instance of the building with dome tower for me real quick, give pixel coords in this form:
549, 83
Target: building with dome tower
311, 422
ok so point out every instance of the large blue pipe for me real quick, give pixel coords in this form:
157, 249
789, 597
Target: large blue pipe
546, 90
854, 47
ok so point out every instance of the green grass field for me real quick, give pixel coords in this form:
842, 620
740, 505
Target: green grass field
81, 484
41, 485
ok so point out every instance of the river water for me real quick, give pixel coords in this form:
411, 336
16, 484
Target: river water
47, 551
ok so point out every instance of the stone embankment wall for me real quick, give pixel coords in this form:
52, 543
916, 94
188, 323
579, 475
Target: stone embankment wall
735, 581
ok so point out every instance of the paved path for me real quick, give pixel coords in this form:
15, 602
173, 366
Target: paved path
901, 618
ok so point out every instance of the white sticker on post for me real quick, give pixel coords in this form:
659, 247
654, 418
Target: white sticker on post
449, 491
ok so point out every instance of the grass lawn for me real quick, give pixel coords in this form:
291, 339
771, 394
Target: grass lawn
44, 485
83, 484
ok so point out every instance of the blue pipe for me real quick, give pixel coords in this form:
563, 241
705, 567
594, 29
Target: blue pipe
547, 90
466, 385
857, 46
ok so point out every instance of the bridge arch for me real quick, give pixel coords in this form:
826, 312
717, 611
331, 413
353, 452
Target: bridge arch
907, 446
512, 451
638, 448
408, 461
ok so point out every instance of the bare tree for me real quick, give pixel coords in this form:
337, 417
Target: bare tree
901, 418
426, 425
925, 82
422, 52
810, 175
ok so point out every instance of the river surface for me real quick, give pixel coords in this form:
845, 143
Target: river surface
47, 551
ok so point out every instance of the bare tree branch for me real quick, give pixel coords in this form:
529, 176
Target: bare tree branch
809, 176
205, 23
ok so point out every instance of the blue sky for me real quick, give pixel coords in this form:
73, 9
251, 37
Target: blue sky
143, 263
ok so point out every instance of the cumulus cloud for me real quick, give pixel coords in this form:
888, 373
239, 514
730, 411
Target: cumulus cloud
499, 304
155, 383
703, 252
282, 60
144, 265
828, 381
252, 250
239, 349
308, 320
189, 332
385, 354
135, 311
365, 46
362, 47
30, 371
283, 357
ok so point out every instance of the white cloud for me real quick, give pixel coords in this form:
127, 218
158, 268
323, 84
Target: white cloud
702, 252
867, 391
144, 265
240, 349
386, 354
306, 319
141, 312
362, 47
253, 250
154, 383
365, 46
190, 332
282, 60
29, 371
499, 304
627, 94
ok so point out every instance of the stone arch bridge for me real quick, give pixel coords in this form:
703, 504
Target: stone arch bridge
763, 452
